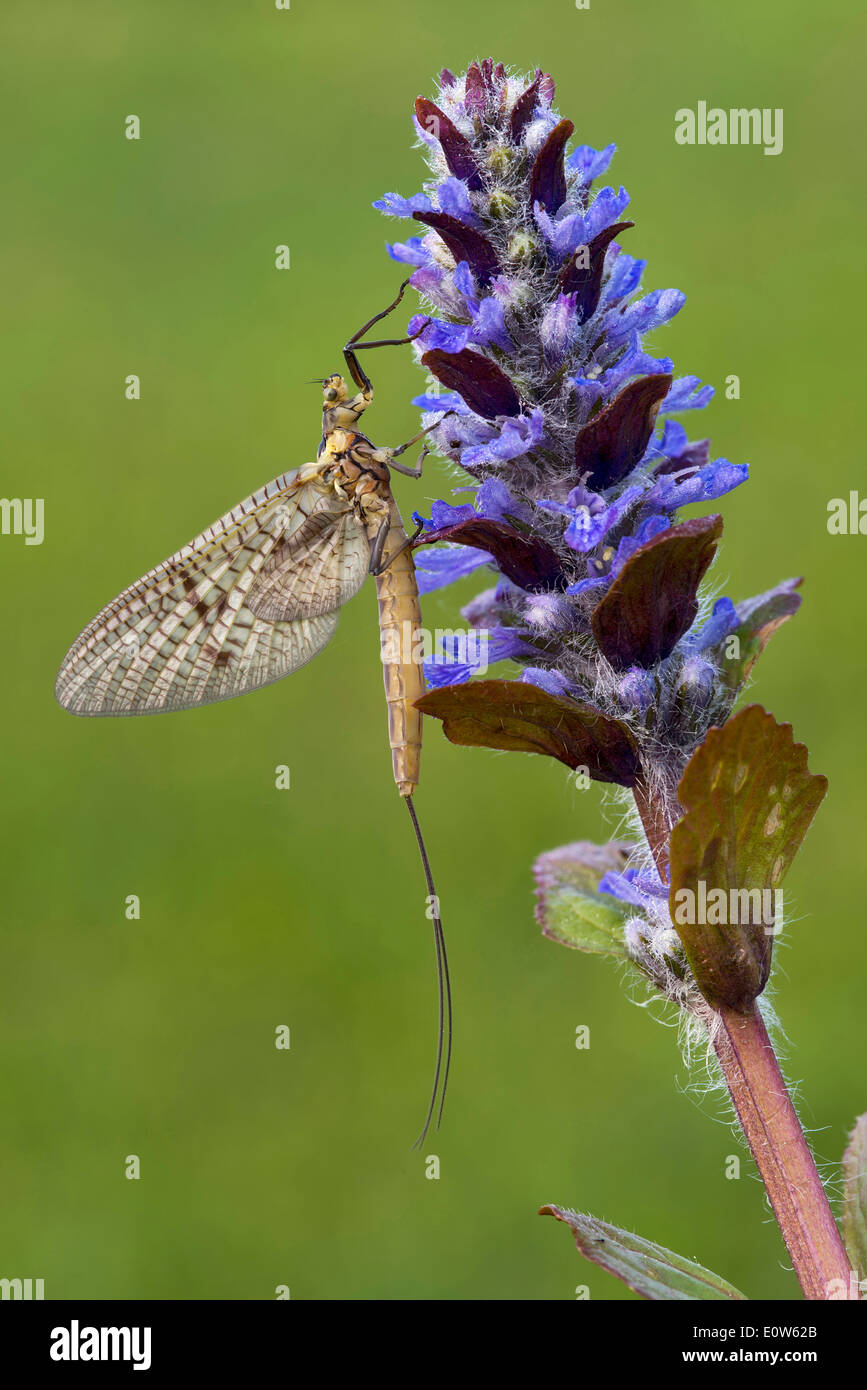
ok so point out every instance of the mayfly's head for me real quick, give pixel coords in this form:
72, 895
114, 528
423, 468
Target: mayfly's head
333, 390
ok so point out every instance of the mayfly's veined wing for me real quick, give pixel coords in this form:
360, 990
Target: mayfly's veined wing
184, 634
313, 569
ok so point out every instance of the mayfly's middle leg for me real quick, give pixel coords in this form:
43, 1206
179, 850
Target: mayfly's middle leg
356, 371
376, 565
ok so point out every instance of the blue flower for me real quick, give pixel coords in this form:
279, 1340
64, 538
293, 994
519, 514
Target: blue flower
687, 393
696, 680
493, 501
437, 568
723, 620
435, 405
393, 205
653, 525
636, 690
465, 654
554, 682
538, 339
557, 328
590, 517
677, 449
633, 887
444, 514
453, 198
588, 163
625, 277
487, 327
697, 484
566, 234
643, 316
412, 252
512, 440
633, 362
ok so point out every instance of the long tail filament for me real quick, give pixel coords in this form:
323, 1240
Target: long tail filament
444, 1028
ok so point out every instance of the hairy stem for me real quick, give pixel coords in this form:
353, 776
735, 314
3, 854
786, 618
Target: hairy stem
768, 1119
776, 1139
658, 815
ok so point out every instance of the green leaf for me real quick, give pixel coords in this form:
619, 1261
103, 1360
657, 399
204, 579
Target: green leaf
651, 1270
749, 800
855, 1197
759, 619
517, 716
568, 907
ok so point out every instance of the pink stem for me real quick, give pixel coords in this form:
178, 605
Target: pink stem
776, 1139
768, 1120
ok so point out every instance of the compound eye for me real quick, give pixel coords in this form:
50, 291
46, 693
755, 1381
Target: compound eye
331, 394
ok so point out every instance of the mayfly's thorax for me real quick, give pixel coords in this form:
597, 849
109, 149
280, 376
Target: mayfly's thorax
344, 414
337, 444
358, 471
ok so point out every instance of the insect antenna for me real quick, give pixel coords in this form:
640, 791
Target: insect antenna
444, 991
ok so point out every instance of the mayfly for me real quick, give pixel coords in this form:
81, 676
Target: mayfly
257, 595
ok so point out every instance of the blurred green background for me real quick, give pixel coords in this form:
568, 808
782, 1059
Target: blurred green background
305, 907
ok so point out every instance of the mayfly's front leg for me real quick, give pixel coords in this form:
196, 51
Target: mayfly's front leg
356, 371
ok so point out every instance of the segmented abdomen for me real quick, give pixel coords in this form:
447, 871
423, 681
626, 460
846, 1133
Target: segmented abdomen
403, 673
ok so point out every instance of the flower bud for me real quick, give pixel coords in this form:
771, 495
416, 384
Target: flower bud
522, 247
636, 690
499, 158
501, 204
696, 681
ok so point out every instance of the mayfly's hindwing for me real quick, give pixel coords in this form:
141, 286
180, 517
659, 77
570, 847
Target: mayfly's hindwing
313, 569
